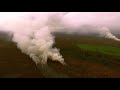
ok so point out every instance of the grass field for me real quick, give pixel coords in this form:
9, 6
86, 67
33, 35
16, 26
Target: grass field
102, 49
81, 63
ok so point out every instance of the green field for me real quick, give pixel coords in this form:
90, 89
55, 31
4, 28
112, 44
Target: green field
111, 50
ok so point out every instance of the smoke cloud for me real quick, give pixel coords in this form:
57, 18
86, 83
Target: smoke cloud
32, 31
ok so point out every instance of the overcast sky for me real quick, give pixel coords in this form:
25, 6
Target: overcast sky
110, 19
74, 19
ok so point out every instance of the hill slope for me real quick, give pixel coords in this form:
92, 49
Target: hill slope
80, 63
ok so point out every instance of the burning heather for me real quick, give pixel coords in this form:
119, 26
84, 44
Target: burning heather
32, 31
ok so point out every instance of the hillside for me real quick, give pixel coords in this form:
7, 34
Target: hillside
80, 63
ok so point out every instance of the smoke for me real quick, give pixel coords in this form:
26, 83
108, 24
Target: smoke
99, 23
32, 35
32, 31
105, 32
38, 45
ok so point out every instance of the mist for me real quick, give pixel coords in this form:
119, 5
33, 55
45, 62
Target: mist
32, 31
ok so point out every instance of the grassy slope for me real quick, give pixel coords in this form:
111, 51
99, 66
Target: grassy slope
81, 63
15, 64
106, 49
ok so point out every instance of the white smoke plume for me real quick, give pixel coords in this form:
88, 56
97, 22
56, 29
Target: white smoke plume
32, 35
32, 31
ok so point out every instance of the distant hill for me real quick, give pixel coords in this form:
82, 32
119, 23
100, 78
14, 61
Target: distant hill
74, 34
5, 36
